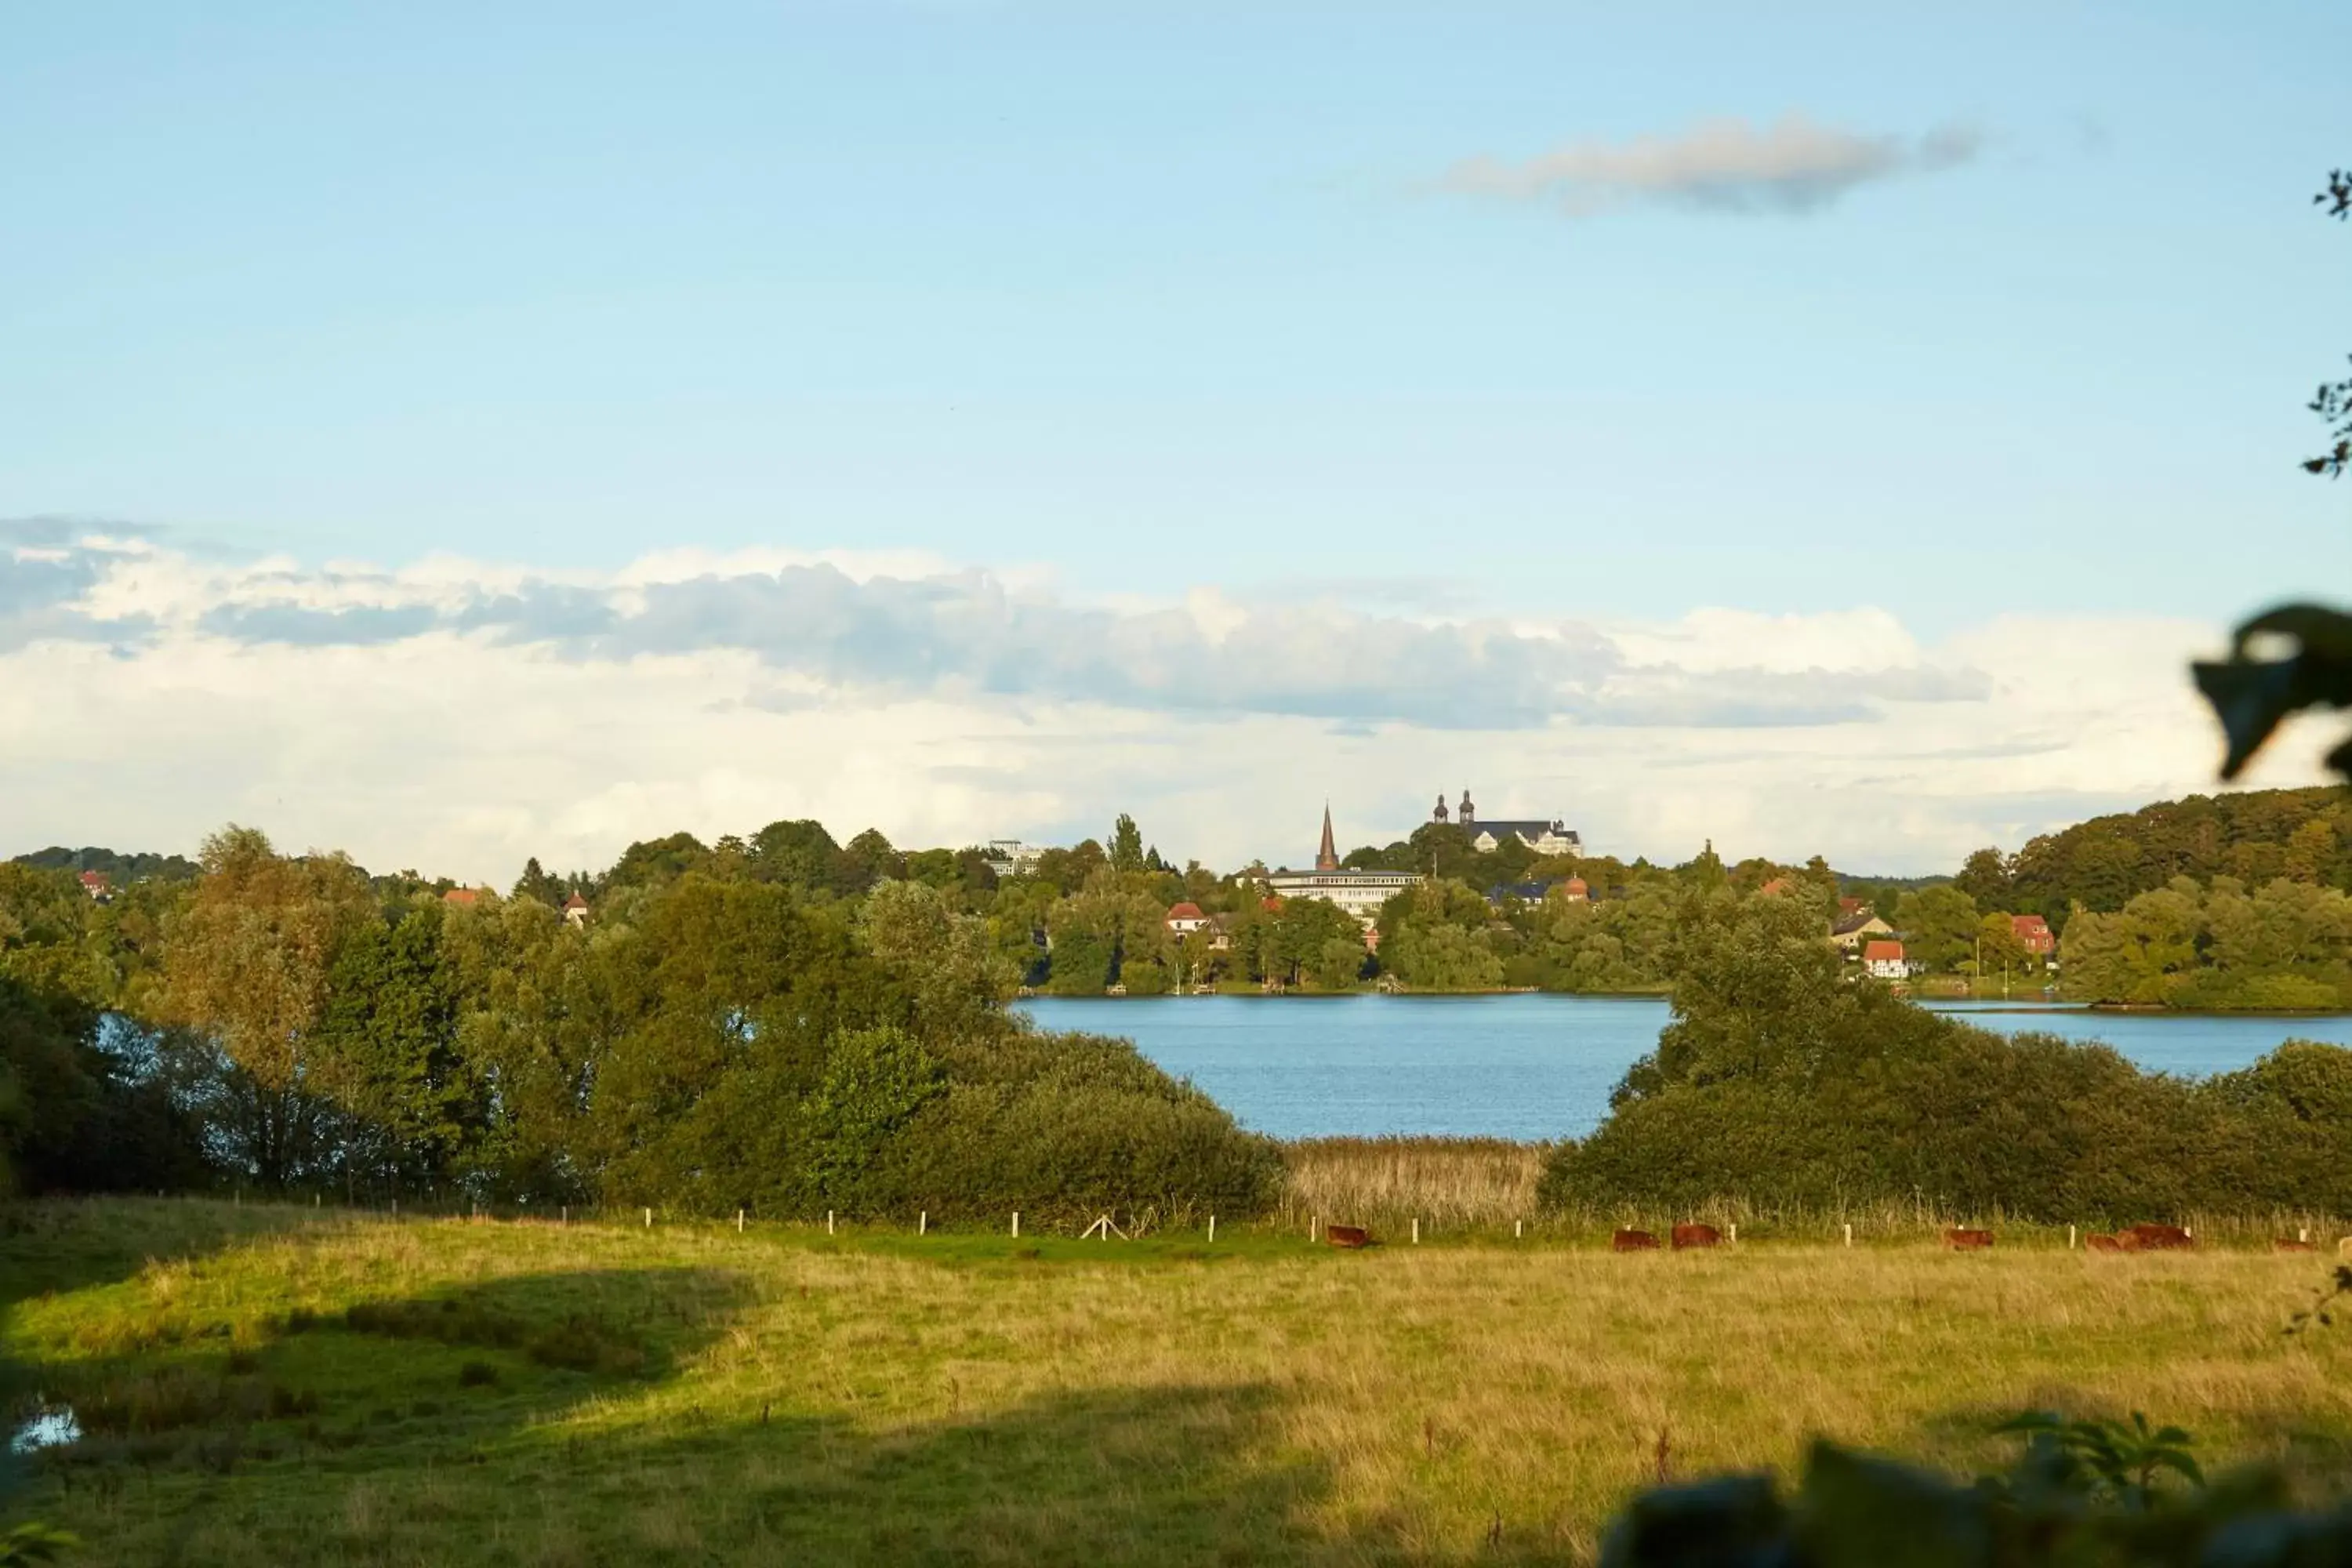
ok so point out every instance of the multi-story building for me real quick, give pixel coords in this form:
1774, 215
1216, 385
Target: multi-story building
1360, 893
1553, 837
1011, 857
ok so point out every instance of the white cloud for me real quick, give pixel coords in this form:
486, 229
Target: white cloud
456, 718
1794, 165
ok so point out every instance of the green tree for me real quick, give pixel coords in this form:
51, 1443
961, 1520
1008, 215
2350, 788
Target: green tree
248, 963
867, 859
875, 1082
1126, 845
1939, 927
1985, 878
388, 1053
1339, 962
1999, 951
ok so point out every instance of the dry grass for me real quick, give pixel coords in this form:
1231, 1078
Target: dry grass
1388, 1182
1458, 1187
883, 1399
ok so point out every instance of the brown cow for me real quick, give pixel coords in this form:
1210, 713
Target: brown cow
1632, 1241
2154, 1238
1347, 1236
2284, 1245
2103, 1243
1967, 1240
1694, 1236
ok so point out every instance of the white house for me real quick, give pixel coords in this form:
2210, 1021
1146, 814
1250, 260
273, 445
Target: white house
1011, 857
1184, 919
1544, 837
1884, 961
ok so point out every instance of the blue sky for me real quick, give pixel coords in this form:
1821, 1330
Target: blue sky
1146, 301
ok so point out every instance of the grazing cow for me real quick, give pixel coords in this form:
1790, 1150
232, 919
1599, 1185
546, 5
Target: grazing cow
1694, 1236
1633, 1241
1347, 1236
1967, 1240
2284, 1245
2104, 1243
2154, 1238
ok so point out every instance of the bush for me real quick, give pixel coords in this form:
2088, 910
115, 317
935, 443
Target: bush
1778, 1084
1066, 1126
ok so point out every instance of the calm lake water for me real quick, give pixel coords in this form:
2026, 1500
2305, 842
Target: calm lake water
1524, 1066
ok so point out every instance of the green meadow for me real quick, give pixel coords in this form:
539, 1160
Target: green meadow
264, 1384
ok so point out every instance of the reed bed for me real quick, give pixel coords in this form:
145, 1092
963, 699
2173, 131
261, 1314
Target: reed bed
1455, 1182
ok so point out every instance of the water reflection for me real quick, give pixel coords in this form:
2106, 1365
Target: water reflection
51, 1427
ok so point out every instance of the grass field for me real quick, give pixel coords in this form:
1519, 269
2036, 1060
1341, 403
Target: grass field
535, 1395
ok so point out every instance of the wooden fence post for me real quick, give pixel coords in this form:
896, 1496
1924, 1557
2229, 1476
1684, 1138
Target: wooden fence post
1849, 1233
1416, 1230
567, 1213
738, 1222
1735, 1233
2069, 1239
1212, 1230
828, 1222
923, 1223
649, 1217
1016, 1225
1518, 1229
1314, 1227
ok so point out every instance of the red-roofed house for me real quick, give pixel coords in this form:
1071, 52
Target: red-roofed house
1776, 887
1884, 961
575, 910
1849, 908
2034, 932
1184, 919
1576, 890
463, 898
95, 884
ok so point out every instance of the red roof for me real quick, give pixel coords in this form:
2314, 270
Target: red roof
1184, 912
460, 896
94, 879
1577, 885
1777, 885
1873, 952
1271, 904
2028, 925
575, 902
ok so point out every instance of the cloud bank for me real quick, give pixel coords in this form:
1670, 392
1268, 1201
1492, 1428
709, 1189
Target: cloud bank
1792, 166
457, 716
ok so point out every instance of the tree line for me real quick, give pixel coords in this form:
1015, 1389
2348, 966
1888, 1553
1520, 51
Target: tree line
712, 1039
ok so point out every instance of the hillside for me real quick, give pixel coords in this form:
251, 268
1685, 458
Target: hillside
2257, 837
118, 867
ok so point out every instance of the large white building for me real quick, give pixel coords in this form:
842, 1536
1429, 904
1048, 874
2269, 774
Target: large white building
1011, 857
1553, 837
1360, 893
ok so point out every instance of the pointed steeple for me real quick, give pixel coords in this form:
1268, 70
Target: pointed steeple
1326, 858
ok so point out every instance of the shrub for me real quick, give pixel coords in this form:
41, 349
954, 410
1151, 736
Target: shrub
1778, 1084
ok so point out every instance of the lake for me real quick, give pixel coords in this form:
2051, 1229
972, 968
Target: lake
1527, 1067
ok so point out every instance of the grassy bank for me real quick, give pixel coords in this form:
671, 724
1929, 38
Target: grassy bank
531, 1394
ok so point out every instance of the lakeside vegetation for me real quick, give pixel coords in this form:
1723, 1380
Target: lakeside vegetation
263, 1383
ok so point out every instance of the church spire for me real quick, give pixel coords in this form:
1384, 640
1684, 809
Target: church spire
1326, 858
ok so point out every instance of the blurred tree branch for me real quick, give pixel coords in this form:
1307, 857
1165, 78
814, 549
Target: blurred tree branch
2253, 694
